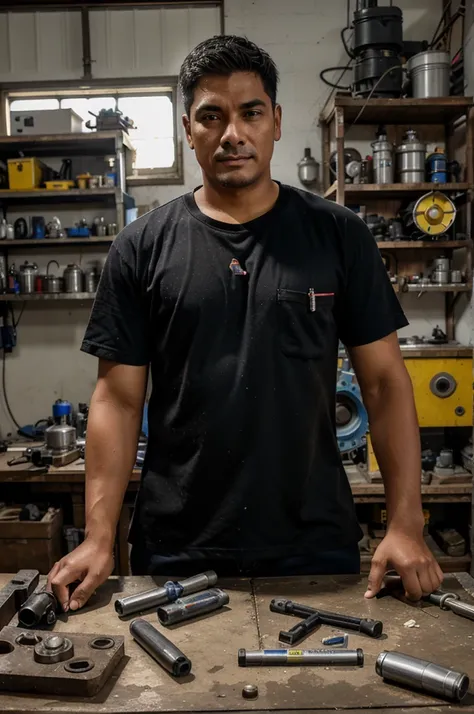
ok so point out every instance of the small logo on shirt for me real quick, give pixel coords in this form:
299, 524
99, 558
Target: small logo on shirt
236, 268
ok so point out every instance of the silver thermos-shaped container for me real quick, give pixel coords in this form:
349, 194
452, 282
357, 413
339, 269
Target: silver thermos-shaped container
383, 158
411, 159
73, 279
27, 277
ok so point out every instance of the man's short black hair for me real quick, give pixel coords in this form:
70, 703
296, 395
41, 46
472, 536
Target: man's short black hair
223, 55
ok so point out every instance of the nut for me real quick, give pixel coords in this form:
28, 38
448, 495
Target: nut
250, 691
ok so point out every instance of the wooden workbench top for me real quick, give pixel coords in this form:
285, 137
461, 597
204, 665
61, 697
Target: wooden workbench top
139, 685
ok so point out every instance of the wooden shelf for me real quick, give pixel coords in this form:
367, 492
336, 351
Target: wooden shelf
392, 190
94, 143
417, 244
397, 111
450, 288
47, 297
8, 245
73, 194
441, 493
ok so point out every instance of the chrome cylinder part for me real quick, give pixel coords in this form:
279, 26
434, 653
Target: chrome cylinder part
192, 606
160, 648
60, 437
411, 159
421, 674
158, 596
322, 658
39, 608
441, 264
53, 649
440, 277
456, 276
459, 607
429, 72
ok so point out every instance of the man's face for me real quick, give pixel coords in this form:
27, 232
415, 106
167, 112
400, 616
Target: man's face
232, 128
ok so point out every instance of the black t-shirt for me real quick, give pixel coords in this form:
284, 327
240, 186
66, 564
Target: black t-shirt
242, 452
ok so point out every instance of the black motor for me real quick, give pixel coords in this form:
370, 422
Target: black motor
378, 43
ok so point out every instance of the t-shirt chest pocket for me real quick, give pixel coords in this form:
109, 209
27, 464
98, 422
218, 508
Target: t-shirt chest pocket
304, 322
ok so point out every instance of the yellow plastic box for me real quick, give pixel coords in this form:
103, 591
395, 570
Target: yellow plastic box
59, 185
25, 174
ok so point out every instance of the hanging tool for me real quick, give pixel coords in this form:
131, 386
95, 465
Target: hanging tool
171, 591
372, 628
160, 648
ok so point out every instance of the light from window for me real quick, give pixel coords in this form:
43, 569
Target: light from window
30, 105
153, 137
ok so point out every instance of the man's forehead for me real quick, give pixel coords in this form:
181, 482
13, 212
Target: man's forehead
242, 86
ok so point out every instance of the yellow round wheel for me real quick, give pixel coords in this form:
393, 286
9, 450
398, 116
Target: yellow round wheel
434, 213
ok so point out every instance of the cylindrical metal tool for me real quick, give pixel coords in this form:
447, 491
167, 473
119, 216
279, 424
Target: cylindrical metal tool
323, 658
421, 674
429, 72
300, 630
39, 608
192, 606
160, 648
411, 158
451, 601
170, 591
372, 628
383, 158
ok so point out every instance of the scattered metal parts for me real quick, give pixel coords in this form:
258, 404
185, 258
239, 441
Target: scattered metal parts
372, 628
40, 608
336, 640
421, 674
54, 649
250, 691
160, 648
344, 658
170, 592
192, 606
410, 624
301, 630
15, 593
83, 674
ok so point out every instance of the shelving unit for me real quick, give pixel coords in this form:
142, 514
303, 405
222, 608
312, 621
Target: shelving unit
441, 114
46, 297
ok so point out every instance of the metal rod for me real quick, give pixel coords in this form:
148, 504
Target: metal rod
421, 674
372, 628
158, 596
300, 630
301, 657
86, 43
39, 608
160, 648
192, 606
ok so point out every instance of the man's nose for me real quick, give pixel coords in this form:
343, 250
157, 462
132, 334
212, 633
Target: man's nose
233, 135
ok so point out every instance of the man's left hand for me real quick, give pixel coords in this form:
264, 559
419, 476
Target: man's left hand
411, 558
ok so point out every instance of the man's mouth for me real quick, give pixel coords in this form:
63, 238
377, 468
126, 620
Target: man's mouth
233, 160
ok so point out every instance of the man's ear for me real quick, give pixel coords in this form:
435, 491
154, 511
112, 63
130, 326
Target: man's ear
187, 130
277, 134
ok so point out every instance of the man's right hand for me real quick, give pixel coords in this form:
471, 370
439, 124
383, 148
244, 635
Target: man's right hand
91, 563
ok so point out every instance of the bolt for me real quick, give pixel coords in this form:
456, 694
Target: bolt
54, 642
51, 617
250, 691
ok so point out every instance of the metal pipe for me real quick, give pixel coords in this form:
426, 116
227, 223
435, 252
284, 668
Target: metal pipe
86, 43
321, 658
158, 596
421, 674
160, 648
301, 630
372, 628
192, 606
39, 608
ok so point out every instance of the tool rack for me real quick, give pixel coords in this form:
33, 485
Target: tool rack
445, 119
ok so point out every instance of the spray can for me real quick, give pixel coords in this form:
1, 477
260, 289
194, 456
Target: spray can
437, 166
383, 158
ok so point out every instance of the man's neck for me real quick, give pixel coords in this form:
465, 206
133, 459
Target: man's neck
237, 205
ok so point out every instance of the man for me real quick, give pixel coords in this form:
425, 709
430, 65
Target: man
236, 296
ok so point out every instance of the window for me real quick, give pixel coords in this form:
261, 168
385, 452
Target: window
153, 111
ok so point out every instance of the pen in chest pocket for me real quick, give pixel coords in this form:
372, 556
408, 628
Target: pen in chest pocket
312, 295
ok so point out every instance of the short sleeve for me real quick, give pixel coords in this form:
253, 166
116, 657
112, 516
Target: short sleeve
368, 308
118, 324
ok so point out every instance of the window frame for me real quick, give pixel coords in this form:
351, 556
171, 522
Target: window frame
173, 175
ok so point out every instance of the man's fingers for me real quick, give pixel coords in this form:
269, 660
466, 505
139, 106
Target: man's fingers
376, 576
425, 579
59, 584
52, 574
411, 583
83, 592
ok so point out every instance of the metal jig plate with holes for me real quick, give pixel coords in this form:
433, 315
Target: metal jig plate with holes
84, 674
15, 593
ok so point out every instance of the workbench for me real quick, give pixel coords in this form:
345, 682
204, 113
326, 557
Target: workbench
139, 685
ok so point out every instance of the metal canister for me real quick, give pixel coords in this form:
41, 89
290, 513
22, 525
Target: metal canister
383, 158
437, 166
27, 277
52, 284
73, 279
111, 229
3, 274
411, 158
366, 172
91, 280
440, 277
441, 263
429, 72
456, 276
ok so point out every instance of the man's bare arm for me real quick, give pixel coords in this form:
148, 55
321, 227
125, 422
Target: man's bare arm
113, 430
388, 396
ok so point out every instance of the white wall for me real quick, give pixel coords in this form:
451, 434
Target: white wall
302, 37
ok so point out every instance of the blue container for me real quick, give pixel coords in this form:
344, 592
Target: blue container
437, 167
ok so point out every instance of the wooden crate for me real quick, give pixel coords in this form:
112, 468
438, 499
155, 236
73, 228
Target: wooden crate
30, 544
